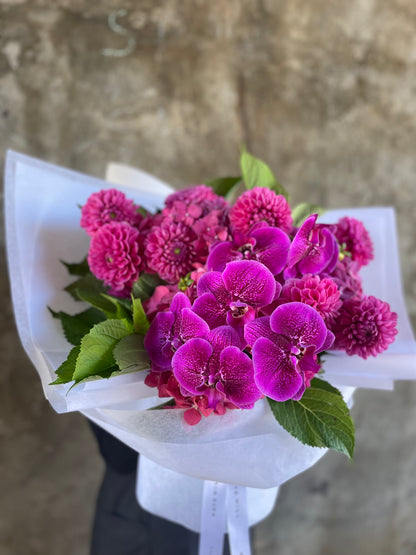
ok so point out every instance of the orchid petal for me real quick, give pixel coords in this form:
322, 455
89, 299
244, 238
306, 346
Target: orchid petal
301, 242
274, 371
250, 282
330, 338
191, 325
189, 365
212, 282
208, 308
260, 327
300, 323
321, 255
272, 246
179, 301
158, 337
221, 254
237, 378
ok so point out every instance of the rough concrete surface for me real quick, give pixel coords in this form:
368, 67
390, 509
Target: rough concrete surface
325, 92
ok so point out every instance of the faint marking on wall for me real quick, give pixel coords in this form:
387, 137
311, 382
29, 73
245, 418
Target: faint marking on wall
119, 30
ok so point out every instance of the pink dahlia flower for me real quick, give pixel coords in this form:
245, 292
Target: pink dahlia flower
356, 238
322, 294
108, 205
365, 327
257, 205
115, 256
170, 250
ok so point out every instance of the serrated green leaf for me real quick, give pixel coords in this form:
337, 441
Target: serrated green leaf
112, 307
320, 419
222, 185
77, 325
96, 353
144, 287
257, 173
140, 321
67, 368
77, 268
304, 210
87, 284
130, 355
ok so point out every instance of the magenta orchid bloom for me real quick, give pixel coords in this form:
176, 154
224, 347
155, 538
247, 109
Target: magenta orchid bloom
284, 349
217, 368
171, 329
232, 297
268, 245
314, 249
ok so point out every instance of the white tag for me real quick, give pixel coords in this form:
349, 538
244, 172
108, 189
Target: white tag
237, 520
211, 539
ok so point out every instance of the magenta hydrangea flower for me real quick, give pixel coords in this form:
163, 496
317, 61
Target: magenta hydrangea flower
216, 368
170, 250
199, 195
116, 256
108, 205
285, 347
356, 238
322, 294
268, 245
314, 249
365, 327
170, 329
232, 297
260, 205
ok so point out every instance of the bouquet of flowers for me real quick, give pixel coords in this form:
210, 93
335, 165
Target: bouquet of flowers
224, 297
228, 311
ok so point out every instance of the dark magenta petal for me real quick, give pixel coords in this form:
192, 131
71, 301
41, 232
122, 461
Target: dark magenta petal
212, 282
321, 254
237, 378
208, 307
189, 365
335, 255
298, 395
274, 371
272, 247
179, 301
221, 254
222, 337
299, 323
301, 242
249, 281
330, 338
309, 362
191, 325
260, 327
157, 341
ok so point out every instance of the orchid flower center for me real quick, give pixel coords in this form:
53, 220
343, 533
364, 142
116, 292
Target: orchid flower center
238, 309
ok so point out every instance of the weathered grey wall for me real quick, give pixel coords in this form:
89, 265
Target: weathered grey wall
325, 92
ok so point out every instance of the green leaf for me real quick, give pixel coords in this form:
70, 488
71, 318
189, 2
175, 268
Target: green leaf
130, 355
304, 210
96, 354
257, 173
112, 307
67, 368
77, 325
144, 287
85, 285
140, 321
77, 269
222, 185
320, 419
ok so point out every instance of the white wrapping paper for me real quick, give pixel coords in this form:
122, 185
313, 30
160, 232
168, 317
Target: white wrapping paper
241, 447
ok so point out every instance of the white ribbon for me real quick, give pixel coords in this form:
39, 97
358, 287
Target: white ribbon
223, 504
237, 520
211, 539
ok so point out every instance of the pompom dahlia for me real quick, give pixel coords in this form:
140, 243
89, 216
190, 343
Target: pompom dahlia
257, 205
355, 237
108, 205
170, 250
322, 294
365, 327
116, 257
